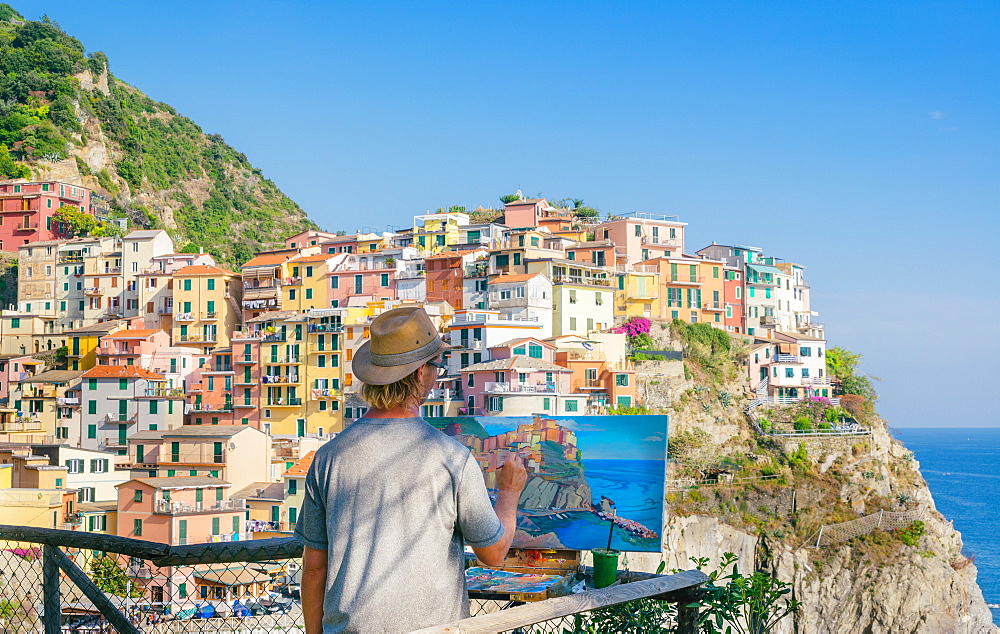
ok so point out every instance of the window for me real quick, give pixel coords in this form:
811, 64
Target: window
91, 407
638, 231
291, 294
534, 351
309, 293
571, 405
74, 466
122, 384
92, 429
384, 279
621, 380
210, 285
137, 496
100, 465
334, 282
186, 285
789, 372
572, 323
805, 373
215, 525
137, 528
293, 486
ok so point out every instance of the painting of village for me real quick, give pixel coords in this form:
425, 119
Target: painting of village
584, 472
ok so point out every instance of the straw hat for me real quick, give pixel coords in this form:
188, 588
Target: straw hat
402, 340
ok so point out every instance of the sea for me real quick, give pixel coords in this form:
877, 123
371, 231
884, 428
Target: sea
961, 469
635, 486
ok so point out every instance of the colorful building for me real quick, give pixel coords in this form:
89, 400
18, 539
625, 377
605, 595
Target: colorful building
206, 307
27, 209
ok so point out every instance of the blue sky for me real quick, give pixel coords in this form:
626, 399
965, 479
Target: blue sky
856, 138
602, 437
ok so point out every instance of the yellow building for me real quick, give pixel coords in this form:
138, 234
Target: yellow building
82, 343
49, 401
206, 306
295, 488
301, 372
304, 281
434, 233
691, 289
638, 292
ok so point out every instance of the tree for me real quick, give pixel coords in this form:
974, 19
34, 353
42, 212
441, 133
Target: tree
74, 222
108, 575
841, 363
190, 247
10, 169
509, 198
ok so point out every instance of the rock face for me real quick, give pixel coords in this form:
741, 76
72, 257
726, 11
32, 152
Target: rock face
875, 584
540, 493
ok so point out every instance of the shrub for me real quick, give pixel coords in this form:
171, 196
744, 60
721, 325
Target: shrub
765, 424
854, 404
800, 458
824, 426
911, 534
803, 423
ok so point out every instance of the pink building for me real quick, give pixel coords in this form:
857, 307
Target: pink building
179, 510
26, 210
525, 213
131, 347
520, 380
308, 238
210, 390
368, 277
643, 236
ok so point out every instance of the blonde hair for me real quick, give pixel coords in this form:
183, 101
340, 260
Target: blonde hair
400, 393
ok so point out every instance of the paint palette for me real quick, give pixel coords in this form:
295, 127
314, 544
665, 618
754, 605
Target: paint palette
516, 586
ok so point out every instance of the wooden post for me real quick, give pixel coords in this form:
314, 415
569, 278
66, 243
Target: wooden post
101, 601
51, 604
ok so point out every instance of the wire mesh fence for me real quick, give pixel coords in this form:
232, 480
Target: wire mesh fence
884, 520
64, 581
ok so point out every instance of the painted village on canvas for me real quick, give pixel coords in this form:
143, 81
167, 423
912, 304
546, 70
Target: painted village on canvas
583, 471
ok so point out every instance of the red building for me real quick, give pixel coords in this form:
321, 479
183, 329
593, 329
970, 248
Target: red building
445, 272
733, 295
26, 210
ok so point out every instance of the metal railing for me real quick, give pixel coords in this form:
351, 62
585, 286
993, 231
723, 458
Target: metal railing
61, 580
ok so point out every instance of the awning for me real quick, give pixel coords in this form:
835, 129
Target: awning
763, 268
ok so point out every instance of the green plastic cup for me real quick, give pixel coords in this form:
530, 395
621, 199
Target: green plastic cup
605, 566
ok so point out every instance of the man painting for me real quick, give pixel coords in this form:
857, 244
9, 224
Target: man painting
391, 502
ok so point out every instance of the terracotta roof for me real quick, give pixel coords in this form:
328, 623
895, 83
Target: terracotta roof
271, 259
526, 201
121, 372
202, 269
319, 257
513, 342
260, 491
52, 376
179, 482
520, 277
301, 467
517, 361
104, 326
133, 334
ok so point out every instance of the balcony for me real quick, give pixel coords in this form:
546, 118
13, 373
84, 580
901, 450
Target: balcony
164, 310
120, 418
328, 392
73, 518
682, 280
27, 226
246, 335
472, 345
167, 392
660, 242
761, 281
185, 317
109, 270
67, 401
520, 388
243, 402
326, 327
274, 336
93, 290
211, 315
787, 358
113, 444
194, 339
279, 378
581, 280
589, 384
21, 425
714, 306
210, 407
442, 395
292, 281
282, 359
175, 507
819, 380
284, 402
70, 259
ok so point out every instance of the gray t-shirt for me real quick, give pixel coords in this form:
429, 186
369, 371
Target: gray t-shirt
393, 501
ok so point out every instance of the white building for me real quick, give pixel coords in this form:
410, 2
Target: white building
525, 297
475, 331
138, 250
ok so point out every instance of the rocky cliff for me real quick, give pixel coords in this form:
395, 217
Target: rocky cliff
768, 497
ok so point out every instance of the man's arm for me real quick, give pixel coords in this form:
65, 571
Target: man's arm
313, 588
510, 482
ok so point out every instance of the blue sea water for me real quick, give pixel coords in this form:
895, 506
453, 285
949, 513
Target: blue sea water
635, 486
961, 469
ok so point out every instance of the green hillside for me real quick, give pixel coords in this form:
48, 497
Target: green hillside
63, 115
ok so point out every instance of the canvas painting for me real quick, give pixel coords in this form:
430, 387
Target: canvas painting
584, 473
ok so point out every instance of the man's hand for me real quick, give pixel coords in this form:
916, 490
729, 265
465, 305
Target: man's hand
510, 482
512, 476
